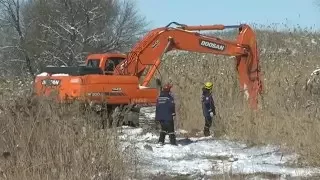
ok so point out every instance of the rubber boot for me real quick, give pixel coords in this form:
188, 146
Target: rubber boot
173, 139
206, 131
162, 138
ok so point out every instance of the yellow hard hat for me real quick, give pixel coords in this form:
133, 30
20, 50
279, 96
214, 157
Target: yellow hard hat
208, 85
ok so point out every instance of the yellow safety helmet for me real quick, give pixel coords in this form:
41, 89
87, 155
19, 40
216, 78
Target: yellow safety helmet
208, 85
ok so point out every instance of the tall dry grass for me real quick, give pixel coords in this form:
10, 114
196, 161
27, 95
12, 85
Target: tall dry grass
43, 140
289, 113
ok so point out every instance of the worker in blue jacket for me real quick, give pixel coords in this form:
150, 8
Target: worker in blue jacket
165, 114
208, 107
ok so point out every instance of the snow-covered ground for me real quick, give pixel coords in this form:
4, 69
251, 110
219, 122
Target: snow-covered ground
207, 156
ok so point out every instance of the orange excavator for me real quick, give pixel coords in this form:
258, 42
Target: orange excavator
112, 80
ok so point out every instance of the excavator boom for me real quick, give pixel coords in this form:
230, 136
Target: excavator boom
151, 48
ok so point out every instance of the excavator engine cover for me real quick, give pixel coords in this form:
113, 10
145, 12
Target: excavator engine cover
73, 71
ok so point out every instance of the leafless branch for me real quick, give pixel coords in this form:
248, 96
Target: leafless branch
64, 31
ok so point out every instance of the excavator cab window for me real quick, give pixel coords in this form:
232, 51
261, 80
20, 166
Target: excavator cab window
111, 64
93, 63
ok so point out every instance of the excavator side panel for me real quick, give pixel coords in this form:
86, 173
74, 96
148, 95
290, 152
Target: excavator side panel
248, 66
117, 90
60, 87
97, 89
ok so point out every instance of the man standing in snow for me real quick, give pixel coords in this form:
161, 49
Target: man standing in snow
208, 107
165, 113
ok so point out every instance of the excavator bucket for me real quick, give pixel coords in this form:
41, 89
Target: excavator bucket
248, 66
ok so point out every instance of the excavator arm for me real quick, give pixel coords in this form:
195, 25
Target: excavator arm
151, 48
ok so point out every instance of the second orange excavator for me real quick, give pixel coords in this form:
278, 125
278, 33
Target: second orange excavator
120, 85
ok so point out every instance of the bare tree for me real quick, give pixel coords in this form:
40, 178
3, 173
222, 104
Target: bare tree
60, 32
71, 29
11, 17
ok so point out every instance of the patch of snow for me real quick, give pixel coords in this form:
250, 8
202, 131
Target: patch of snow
207, 156
315, 72
128, 131
47, 74
294, 51
43, 74
181, 131
148, 112
281, 50
60, 74
143, 87
177, 52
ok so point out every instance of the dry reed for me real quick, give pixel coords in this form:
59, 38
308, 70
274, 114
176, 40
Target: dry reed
288, 115
44, 140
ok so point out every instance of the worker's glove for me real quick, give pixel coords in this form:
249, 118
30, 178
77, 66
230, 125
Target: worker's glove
211, 114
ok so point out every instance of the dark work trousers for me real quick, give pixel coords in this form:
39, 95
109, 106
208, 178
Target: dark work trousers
207, 126
167, 128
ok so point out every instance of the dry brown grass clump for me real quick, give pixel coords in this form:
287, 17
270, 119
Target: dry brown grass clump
289, 113
42, 140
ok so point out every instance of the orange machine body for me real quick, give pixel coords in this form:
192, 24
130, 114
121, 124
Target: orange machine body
96, 88
121, 84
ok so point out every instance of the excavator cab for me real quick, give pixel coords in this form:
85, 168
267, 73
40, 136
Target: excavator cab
111, 63
107, 62
93, 63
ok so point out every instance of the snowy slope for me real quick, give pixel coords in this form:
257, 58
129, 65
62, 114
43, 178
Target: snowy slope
207, 156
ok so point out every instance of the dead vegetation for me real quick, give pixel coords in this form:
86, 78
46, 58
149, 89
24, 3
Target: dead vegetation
43, 140
289, 112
